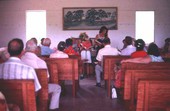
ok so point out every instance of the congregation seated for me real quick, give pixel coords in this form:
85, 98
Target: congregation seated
14, 68
107, 50
140, 51
129, 49
59, 53
69, 47
30, 58
153, 56
45, 48
85, 47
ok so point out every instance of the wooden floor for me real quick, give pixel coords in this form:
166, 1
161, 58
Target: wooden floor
89, 98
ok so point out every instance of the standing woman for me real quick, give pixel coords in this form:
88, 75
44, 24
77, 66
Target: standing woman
103, 33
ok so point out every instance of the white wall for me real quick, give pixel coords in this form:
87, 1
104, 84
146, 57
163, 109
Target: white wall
12, 18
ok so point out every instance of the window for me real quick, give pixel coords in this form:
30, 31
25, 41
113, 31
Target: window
35, 24
145, 26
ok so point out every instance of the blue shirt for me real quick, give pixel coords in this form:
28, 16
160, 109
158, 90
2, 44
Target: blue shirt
156, 58
45, 50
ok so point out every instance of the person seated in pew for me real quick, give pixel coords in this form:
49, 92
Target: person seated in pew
153, 56
45, 48
69, 47
129, 46
60, 52
14, 68
30, 58
85, 47
4, 106
140, 51
4, 55
107, 50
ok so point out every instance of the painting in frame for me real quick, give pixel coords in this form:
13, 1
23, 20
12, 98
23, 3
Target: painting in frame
89, 18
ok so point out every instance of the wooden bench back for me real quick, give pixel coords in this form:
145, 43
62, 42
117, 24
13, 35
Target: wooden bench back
153, 95
109, 64
67, 70
80, 62
42, 98
108, 69
19, 92
67, 67
152, 65
53, 72
133, 76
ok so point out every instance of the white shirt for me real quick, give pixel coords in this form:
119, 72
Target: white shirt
128, 50
14, 68
34, 61
58, 54
107, 50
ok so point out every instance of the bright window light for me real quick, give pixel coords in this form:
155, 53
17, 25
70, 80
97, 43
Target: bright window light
35, 24
145, 26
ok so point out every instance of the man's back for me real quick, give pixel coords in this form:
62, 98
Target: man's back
15, 69
107, 50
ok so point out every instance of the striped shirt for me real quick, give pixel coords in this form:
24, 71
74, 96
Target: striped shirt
14, 68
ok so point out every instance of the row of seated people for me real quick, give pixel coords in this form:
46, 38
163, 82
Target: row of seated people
64, 50
32, 43
22, 67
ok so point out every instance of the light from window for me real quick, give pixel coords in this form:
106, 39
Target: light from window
145, 26
35, 24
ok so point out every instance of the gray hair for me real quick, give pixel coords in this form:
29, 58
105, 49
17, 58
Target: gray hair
31, 45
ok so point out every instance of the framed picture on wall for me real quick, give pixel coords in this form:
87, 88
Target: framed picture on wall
89, 18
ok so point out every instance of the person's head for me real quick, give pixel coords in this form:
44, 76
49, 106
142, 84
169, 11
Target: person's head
128, 40
47, 42
61, 46
167, 40
31, 46
153, 49
106, 41
69, 42
15, 47
104, 30
139, 44
35, 40
42, 41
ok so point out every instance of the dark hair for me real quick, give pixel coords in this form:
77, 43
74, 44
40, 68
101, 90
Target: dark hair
102, 29
15, 47
167, 40
42, 39
153, 49
139, 44
69, 42
106, 40
61, 46
128, 40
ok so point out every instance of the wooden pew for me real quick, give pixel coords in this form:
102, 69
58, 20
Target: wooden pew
153, 95
53, 72
108, 69
152, 65
133, 76
67, 70
42, 97
19, 92
80, 62
139, 66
